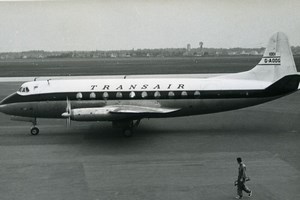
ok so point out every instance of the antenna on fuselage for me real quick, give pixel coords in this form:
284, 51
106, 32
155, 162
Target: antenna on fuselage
48, 81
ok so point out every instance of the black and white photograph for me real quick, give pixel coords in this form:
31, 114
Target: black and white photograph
149, 100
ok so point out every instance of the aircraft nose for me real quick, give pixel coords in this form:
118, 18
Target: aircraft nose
2, 107
5, 106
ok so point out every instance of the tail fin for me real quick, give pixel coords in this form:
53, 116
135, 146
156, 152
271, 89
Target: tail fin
277, 60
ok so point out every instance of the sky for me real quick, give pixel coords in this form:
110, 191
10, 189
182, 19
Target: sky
138, 24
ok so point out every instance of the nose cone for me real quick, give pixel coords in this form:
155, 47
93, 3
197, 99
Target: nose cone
5, 103
2, 108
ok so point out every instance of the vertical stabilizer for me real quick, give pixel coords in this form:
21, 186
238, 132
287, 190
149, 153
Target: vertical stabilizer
276, 62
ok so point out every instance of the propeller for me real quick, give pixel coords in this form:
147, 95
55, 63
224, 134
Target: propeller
68, 113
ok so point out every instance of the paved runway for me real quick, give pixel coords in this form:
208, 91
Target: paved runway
167, 159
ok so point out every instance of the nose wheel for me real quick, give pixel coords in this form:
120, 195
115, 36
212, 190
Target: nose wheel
34, 131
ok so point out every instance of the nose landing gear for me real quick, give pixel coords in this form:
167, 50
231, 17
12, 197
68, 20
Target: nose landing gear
34, 131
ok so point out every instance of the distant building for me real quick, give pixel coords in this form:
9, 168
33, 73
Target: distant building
232, 53
188, 47
188, 50
253, 53
113, 55
244, 53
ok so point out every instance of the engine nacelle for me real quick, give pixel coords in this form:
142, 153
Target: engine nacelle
93, 114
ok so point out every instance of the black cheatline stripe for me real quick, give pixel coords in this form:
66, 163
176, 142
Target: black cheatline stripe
212, 94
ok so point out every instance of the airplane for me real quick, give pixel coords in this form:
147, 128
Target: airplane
125, 101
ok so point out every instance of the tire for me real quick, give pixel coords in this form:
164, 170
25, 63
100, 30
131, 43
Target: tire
127, 132
34, 131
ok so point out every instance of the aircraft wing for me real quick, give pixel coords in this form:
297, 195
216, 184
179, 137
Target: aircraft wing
131, 109
114, 112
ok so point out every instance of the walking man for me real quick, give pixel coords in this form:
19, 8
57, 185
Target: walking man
242, 180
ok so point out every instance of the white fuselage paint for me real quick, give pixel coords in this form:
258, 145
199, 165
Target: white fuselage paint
54, 109
123, 85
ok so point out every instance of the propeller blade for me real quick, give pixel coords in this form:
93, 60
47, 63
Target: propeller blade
68, 122
68, 109
67, 114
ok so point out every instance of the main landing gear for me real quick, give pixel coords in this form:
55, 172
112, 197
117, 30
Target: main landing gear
127, 126
128, 132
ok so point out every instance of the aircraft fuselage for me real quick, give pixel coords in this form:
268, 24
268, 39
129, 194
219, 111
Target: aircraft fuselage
188, 101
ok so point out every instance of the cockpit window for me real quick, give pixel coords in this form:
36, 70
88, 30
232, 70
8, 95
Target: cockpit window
24, 89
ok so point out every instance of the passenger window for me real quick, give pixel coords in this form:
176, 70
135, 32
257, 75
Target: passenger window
171, 95
132, 94
184, 94
144, 95
92, 95
197, 94
105, 95
119, 95
157, 94
79, 95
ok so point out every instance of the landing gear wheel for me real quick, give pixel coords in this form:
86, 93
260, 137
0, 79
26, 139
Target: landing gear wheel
34, 131
127, 132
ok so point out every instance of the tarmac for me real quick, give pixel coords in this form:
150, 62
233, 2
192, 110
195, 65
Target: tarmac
167, 159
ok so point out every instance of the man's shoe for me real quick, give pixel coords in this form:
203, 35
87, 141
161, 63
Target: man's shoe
238, 197
250, 194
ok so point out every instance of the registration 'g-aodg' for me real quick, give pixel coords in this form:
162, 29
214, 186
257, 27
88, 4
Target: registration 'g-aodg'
125, 101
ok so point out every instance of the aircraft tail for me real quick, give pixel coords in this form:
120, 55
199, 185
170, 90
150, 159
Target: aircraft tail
287, 84
276, 62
